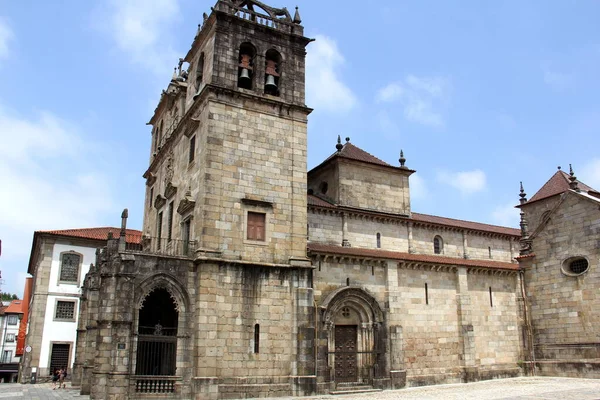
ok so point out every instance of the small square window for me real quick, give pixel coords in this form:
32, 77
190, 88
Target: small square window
12, 320
65, 310
256, 226
10, 337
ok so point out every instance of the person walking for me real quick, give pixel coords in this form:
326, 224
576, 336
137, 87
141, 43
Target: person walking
55, 377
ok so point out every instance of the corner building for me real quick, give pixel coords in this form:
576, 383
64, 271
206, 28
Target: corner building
255, 278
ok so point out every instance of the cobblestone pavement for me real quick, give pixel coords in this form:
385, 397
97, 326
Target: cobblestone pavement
539, 388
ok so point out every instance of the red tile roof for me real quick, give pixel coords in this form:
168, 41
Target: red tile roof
351, 152
131, 235
15, 307
317, 201
557, 184
477, 226
394, 255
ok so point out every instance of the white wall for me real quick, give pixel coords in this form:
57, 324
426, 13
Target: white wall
10, 346
63, 331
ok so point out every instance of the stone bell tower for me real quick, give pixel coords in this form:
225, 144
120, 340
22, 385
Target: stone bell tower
228, 158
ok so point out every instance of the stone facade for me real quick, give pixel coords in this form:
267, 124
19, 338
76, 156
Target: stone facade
562, 226
255, 278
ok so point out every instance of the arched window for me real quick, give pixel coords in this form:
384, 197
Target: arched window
246, 65
199, 71
272, 72
378, 240
438, 245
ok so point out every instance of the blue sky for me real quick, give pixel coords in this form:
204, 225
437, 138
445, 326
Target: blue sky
480, 95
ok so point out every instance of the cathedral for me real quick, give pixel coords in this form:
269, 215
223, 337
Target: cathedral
256, 278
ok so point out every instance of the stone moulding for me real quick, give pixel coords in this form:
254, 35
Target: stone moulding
170, 190
185, 206
159, 201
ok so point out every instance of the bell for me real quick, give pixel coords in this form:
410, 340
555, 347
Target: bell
270, 82
244, 75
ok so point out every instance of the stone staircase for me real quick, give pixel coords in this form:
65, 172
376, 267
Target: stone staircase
353, 387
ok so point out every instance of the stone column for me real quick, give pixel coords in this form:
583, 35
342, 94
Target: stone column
465, 245
345, 242
411, 249
467, 334
395, 343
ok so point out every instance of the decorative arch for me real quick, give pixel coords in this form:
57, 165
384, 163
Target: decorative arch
353, 325
246, 65
438, 245
273, 67
163, 281
162, 340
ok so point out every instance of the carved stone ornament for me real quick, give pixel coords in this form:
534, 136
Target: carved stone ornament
151, 179
185, 206
159, 202
169, 169
170, 190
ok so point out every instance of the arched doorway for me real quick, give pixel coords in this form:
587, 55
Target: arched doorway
157, 334
353, 324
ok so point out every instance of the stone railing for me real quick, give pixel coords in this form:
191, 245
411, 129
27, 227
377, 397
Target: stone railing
155, 384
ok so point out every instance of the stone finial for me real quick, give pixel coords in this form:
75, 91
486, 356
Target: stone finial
124, 216
525, 242
573, 184
204, 17
339, 144
198, 30
522, 195
174, 77
402, 159
559, 167
347, 139
297, 19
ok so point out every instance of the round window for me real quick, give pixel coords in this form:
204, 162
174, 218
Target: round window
575, 266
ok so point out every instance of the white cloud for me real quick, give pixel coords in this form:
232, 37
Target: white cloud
590, 173
141, 29
6, 35
422, 98
418, 187
49, 173
557, 80
467, 182
324, 88
388, 126
506, 215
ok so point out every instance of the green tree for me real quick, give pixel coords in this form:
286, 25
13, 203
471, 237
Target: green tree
8, 296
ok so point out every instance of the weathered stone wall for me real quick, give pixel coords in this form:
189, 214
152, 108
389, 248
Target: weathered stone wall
565, 308
373, 188
431, 339
495, 321
452, 241
361, 231
326, 180
232, 300
325, 227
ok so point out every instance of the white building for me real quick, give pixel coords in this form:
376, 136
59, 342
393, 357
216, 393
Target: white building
58, 263
10, 318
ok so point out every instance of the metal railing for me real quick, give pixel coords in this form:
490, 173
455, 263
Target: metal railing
164, 246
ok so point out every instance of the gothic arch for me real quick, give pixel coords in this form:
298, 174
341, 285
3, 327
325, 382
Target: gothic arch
167, 282
357, 354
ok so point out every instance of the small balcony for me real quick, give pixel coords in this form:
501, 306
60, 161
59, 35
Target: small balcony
164, 246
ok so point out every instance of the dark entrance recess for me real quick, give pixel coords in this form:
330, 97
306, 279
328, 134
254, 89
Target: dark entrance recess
157, 341
60, 356
345, 353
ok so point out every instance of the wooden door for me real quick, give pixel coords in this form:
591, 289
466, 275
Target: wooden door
345, 353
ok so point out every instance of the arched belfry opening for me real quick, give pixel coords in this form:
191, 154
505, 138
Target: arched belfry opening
272, 72
247, 56
353, 325
157, 334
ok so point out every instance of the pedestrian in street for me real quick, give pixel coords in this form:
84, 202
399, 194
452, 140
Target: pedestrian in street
61, 377
55, 377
